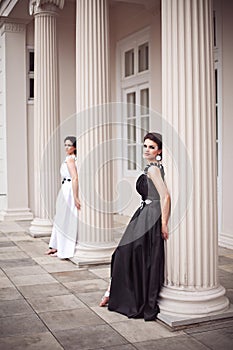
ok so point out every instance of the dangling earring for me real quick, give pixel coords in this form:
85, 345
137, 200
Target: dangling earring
158, 157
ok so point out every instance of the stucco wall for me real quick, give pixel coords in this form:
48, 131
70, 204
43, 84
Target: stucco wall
126, 19
227, 118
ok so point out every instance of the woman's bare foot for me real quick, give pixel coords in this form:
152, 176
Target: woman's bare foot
51, 251
105, 299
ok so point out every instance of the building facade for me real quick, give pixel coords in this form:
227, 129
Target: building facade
109, 71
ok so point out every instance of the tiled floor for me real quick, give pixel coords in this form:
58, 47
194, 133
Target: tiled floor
46, 303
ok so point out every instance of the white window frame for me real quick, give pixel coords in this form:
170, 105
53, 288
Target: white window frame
218, 67
30, 75
132, 83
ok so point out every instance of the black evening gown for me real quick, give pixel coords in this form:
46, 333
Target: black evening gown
137, 266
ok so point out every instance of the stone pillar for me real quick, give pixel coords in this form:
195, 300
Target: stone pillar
46, 114
13, 122
95, 238
192, 289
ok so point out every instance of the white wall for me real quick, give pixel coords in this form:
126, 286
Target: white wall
226, 234
126, 19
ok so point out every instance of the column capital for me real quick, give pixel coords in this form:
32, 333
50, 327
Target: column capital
45, 6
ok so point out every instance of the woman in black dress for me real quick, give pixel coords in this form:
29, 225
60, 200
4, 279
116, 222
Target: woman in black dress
137, 266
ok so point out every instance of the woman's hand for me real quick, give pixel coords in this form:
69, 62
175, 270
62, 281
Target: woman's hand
77, 203
165, 234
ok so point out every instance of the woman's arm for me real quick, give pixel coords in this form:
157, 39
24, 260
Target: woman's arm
155, 175
74, 176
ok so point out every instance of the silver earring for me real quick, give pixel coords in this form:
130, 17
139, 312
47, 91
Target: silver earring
158, 157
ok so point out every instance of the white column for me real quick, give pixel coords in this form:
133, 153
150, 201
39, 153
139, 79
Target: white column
95, 238
192, 289
13, 123
46, 114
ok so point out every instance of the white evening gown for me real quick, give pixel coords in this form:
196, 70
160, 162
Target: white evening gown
65, 226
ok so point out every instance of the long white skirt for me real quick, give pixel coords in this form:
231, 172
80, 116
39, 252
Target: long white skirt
65, 227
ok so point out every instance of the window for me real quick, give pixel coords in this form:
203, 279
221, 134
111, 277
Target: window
31, 74
134, 82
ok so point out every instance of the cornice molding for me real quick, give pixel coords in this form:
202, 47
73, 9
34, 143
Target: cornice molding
45, 6
11, 26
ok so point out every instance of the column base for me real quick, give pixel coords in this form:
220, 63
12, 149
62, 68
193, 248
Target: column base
16, 215
225, 240
87, 255
181, 307
40, 228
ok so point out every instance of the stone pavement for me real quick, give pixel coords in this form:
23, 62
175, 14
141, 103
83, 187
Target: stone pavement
49, 304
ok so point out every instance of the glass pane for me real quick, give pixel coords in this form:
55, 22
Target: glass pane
144, 101
31, 88
31, 61
131, 131
144, 126
143, 57
131, 108
129, 63
131, 157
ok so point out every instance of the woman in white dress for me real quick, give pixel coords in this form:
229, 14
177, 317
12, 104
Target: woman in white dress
65, 228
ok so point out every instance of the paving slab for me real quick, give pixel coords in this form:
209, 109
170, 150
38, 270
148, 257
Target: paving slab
175, 343
5, 282
73, 276
226, 279
91, 298
14, 307
224, 260
91, 337
56, 303
21, 324
10, 227
24, 271
220, 339
7, 244
38, 341
17, 255
137, 330
109, 316
87, 285
101, 272
10, 293
33, 249
70, 319
33, 279
16, 263
119, 347
209, 326
38, 291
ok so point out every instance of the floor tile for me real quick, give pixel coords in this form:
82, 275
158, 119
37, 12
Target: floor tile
221, 339
15, 255
2, 274
209, 326
137, 330
5, 282
25, 271
72, 276
33, 279
101, 272
7, 244
14, 307
60, 266
226, 279
229, 294
69, 319
91, 337
21, 325
87, 285
10, 227
16, 263
91, 298
108, 316
119, 347
10, 250
38, 290
9, 294
38, 341
174, 343
33, 249
55, 303
223, 260
228, 267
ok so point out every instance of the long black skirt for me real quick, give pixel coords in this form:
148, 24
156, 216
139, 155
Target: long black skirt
137, 266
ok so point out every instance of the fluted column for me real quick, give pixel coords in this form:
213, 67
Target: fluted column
95, 238
46, 114
191, 288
